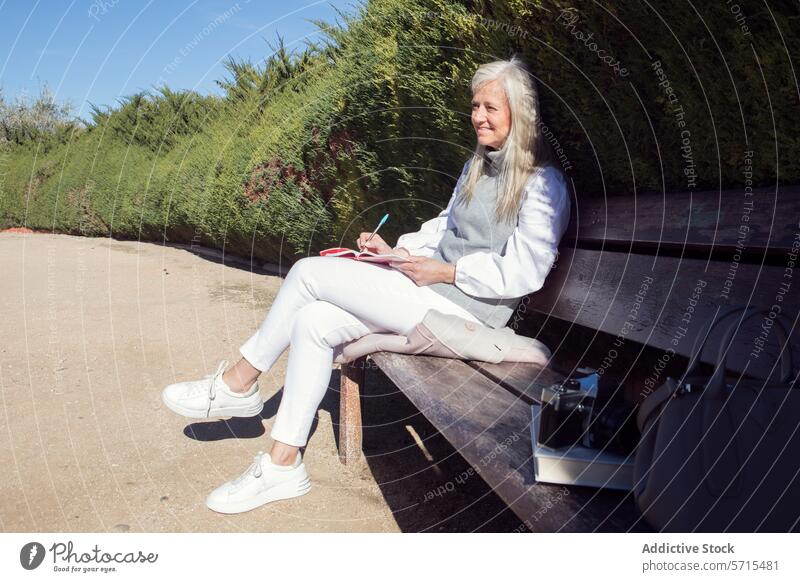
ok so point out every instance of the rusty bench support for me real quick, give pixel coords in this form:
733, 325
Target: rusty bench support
350, 384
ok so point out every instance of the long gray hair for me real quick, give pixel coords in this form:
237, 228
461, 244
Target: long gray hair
525, 148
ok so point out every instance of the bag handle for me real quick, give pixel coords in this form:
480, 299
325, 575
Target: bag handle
705, 333
716, 383
712, 323
670, 387
654, 401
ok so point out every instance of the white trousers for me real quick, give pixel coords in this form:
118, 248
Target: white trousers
324, 302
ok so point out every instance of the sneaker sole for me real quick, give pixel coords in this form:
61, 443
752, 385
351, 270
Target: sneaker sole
238, 411
277, 493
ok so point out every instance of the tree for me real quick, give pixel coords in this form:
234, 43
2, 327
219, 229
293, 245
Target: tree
39, 119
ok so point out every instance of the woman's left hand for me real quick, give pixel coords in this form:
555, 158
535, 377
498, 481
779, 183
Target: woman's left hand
425, 271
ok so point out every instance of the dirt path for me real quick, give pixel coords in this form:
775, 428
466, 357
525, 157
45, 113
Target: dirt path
92, 330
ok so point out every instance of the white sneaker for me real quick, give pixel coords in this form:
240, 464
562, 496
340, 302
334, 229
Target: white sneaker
211, 397
261, 483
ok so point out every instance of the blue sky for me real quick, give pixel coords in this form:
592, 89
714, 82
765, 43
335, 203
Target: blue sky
99, 50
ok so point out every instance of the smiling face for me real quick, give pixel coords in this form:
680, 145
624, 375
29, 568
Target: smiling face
491, 114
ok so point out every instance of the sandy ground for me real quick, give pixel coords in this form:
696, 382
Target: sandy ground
93, 329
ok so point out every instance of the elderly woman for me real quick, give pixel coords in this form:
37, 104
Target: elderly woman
494, 243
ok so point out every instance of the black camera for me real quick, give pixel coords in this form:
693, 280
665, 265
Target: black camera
581, 410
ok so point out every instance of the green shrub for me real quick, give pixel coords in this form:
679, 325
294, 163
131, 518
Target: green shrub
158, 121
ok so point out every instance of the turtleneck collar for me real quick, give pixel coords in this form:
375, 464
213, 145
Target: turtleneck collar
495, 158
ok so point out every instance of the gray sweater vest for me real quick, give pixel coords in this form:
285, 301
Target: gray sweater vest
477, 229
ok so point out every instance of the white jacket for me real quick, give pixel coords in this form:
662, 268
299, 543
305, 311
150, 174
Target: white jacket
528, 255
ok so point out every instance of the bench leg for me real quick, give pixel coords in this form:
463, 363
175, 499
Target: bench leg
350, 384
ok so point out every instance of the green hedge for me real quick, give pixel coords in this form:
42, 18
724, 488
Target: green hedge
307, 151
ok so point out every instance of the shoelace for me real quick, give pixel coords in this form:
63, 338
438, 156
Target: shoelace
254, 469
212, 393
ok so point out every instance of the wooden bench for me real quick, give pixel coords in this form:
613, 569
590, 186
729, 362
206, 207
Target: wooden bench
632, 275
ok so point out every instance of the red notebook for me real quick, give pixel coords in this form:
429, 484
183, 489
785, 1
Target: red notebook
367, 256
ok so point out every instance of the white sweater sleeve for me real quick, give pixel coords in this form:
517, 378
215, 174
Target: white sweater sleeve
425, 241
530, 251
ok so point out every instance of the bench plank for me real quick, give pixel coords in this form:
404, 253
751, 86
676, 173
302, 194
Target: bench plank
699, 220
524, 380
649, 299
490, 428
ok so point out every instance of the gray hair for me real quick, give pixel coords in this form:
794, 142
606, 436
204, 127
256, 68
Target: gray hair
525, 148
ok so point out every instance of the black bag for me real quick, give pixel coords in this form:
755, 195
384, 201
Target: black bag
716, 457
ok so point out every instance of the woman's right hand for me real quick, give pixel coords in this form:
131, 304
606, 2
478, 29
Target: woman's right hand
377, 245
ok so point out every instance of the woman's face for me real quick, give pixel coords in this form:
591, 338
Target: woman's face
491, 115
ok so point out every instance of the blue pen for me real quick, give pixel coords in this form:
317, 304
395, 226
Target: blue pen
380, 224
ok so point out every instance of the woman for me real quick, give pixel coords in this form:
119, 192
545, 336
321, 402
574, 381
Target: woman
494, 243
